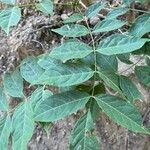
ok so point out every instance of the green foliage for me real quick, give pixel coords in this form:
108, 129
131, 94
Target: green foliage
85, 73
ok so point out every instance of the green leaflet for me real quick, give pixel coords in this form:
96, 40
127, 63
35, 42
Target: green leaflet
82, 137
143, 74
107, 62
94, 9
129, 89
72, 30
38, 96
13, 84
64, 75
60, 105
46, 6
8, 1
116, 12
9, 17
128, 2
5, 130
22, 126
3, 101
30, 70
141, 26
119, 44
108, 25
111, 79
125, 58
74, 18
71, 49
121, 112
148, 61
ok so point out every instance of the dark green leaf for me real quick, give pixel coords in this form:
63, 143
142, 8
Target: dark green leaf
82, 137
73, 30
121, 112
148, 61
60, 105
125, 58
13, 84
129, 89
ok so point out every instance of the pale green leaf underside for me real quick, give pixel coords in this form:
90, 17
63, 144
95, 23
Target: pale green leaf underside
116, 12
60, 105
94, 9
8, 1
46, 6
13, 84
119, 44
30, 70
22, 126
71, 49
3, 100
82, 137
108, 25
141, 26
129, 89
74, 18
5, 130
73, 30
9, 17
143, 74
121, 112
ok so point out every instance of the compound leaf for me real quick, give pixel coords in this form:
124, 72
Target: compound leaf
129, 89
46, 6
5, 130
143, 74
72, 30
119, 44
30, 70
74, 18
12, 2
141, 26
94, 9
71, 49
13, 84
61, 105
117, 12
121, 112
82, 136
3, 101
22, 126
108, 25
9, 17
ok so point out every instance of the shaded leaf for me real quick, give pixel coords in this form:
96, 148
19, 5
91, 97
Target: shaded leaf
118, 11
148, 61
13, 84
71, 49
125, 58
23, 126
121, 112
5, 130
60, 105
9, 17
94, 9
129, 89
82, 136
46, 6
3, 101
143, 74
107, 62
73, 30
30, 70
74, 18
119, 44
108, 25
141, 26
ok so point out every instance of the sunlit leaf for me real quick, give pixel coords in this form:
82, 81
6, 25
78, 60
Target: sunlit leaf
74, 18
12, 2
3, 100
